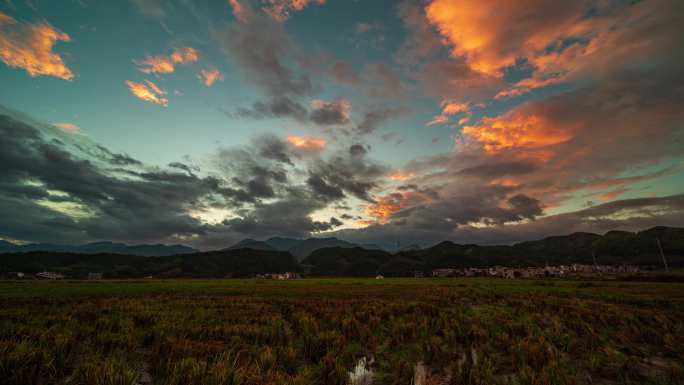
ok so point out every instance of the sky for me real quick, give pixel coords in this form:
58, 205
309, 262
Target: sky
381, 122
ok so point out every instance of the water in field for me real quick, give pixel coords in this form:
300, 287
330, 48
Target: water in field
362, 373
419, 374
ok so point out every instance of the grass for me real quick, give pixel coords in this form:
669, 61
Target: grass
314, 331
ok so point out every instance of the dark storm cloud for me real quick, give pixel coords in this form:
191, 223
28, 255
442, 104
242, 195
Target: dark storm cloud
330, 113
182, 166
147, 205
357, 150
500, 169
323, 190
272, 147
349, 173
428, 192
276, 107
116, 159
288, 216
374, 118
48, 194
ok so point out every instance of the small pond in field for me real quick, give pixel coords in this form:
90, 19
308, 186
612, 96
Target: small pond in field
362, 373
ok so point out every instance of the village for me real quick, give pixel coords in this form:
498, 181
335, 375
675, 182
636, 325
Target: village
537, 272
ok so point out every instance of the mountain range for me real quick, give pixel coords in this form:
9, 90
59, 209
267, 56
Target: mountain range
299, 248
99, 247
334, 257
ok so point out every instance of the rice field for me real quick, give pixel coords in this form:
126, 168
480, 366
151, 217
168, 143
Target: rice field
341, 331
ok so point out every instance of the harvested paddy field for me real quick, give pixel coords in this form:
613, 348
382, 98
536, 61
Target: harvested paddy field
341, 331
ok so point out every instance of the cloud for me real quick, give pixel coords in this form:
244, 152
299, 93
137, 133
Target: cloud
307, 143
374, 118
66, 196
449, 108
29, 47
274, 108
330, 113
263, 50
152, 9
559, 43
209, 77
322, 113
400, 175
387, 206
344, 173
344, 73
280, 10
512, 30
148, 91
68, 127
383, 81
518, 131
628, 215
166, 64
240, 12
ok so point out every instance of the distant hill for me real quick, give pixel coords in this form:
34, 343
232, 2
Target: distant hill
614, 247
308, 246
300, 248
283, 244
214, 264
334, 257
341, 261
251, 244
99, 247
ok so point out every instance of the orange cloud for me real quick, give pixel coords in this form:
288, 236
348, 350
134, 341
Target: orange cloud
517, 131
492, 35
307, 143
279, 10
184, 55
612, 195
29, 47
399, 175
209, 77
238, 11
384, 207
561, 41
68, 127
148, 91
449, 108
166, 65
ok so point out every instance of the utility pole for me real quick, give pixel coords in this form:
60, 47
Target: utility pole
660, 248
593, 257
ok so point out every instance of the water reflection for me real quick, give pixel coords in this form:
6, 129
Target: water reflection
362, 373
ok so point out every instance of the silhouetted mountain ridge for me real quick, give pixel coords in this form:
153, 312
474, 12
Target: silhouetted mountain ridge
346, 259
300, 248
156, 250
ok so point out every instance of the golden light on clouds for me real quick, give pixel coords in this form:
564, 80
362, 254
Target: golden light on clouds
209, 77
307, 143
492, 35
167, 64
513, 132
238, 10
279, 10
385, 207
450, 108
68, 127
29, 47
400, 176
148, 91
